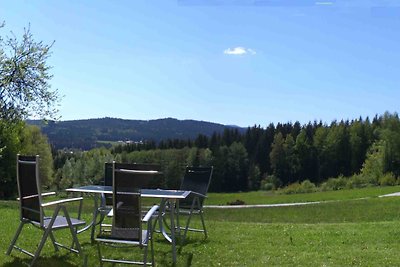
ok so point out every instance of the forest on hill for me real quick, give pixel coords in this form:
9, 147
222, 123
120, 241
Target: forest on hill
356, 153
91, 133
277, 155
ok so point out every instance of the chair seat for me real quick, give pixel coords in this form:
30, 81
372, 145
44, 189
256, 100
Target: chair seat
110, 212
60, 222
187, 211
107, 238
105, 209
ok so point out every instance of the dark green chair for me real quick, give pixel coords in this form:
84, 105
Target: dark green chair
107, 200
32, 210
129, 227
197, 180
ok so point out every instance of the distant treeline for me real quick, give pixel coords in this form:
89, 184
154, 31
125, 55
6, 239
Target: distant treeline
359, 152
287, 153
92, 133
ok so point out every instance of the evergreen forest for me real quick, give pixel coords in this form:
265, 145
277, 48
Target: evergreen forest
356, 153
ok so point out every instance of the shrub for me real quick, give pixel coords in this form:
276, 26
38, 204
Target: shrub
307, 186
334, 184
270, 182
267, 186
360, 181
296, 188
291, 189
356, 181
388, 179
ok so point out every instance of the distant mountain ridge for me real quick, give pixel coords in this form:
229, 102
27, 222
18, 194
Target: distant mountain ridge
85, 134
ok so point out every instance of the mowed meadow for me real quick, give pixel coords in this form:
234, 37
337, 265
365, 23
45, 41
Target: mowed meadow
340, 228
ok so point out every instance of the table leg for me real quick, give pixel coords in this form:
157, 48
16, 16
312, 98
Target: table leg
160, 220
178, 226
92, 224
172, 214
171, 238
95, 213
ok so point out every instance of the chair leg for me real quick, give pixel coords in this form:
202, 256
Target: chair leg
102, 217
21, 225
148, 236
196, 202
188, 220
75, 241
150, 239
41, 244
186, 227
152, 249
73, 232
99, 252
53, 240
93, 230
45, 235
204, 225
145, 256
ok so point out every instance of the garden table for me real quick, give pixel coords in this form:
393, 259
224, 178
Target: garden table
166, 196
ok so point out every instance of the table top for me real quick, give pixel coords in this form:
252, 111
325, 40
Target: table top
155, 193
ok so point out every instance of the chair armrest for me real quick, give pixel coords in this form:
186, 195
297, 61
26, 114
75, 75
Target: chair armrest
48, 194
138, 171
102, 200
110, 213
43, 195
198, 194
150, 213
62, 201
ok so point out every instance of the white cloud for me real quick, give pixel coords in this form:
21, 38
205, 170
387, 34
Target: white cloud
239, 51
324, 3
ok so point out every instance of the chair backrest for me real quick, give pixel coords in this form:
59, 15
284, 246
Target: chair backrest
108, 169
29, 188
108, 172
196, 179
127, 223
108, 178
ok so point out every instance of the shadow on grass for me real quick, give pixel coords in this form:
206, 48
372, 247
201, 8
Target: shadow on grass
194, 242
59, 261
165, 258
184, 258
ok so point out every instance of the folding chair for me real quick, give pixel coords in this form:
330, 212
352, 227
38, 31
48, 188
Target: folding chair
197, 180
127, 225
107, 199
32, 209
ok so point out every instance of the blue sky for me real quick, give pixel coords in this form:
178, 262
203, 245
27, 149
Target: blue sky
240, 62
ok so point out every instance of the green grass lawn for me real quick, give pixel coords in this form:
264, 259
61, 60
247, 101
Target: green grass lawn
354, 228
272, 197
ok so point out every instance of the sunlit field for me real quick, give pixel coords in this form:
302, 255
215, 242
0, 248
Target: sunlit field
348, 227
